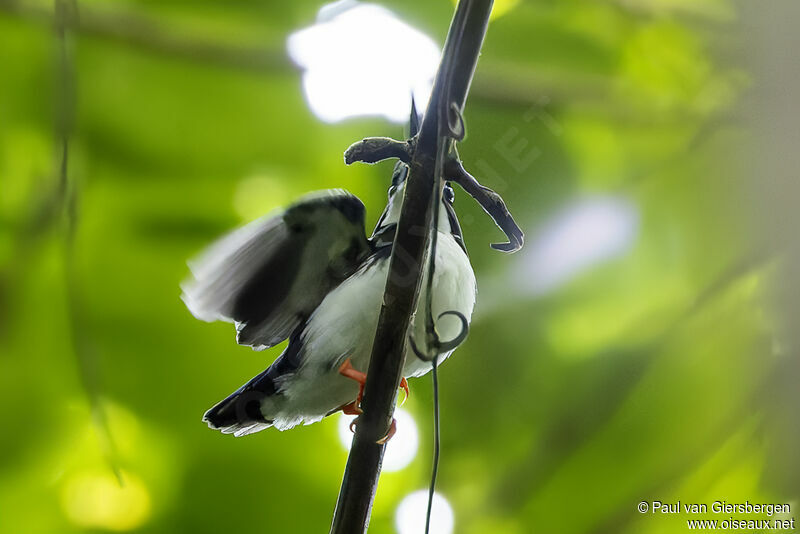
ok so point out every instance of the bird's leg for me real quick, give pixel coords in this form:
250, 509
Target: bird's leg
347, 370
354, 408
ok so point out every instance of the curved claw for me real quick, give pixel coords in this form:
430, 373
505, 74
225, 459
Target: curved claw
404, 387
392, 431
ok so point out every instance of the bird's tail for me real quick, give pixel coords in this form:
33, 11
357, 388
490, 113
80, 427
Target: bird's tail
240, 413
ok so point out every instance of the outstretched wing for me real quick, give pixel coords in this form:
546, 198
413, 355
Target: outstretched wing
269, 276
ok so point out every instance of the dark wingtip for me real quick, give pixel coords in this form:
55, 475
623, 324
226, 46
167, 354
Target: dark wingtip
216, 421
239, 410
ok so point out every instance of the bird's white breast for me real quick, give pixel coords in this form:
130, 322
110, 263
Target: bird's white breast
344, 325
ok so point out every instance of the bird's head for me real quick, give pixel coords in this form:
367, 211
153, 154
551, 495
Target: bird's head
391, 214
448, 222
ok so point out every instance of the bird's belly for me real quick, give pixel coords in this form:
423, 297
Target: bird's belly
344, 324
454, 289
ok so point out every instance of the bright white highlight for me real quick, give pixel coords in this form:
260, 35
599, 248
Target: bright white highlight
400, 450
584, 234
360, 59
410, 515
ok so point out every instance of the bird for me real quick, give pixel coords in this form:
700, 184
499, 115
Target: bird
310, 275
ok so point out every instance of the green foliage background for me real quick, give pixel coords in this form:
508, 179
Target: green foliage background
669, 372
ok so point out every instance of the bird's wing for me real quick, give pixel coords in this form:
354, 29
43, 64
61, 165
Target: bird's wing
269, 275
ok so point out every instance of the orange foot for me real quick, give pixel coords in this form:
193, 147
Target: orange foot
347, 369
354, 408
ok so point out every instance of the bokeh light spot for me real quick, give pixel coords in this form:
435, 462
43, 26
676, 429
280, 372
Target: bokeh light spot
410, 515
95, 499
360, 59
583, 234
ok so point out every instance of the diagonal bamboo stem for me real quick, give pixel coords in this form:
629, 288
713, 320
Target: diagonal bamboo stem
459, 58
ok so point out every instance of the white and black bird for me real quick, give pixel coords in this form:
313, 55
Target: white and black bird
311, 275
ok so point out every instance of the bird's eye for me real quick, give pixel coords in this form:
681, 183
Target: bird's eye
449, 194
